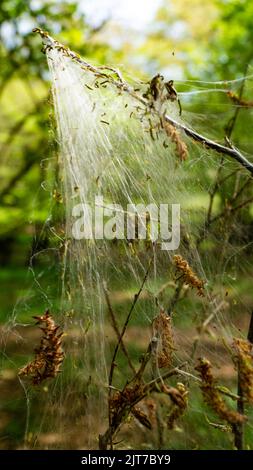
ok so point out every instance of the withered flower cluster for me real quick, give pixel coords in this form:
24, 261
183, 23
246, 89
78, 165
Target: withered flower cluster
213, 397
188, 275
162, 330
141, 416
175, 137
243, 358
239, 101
49, 355
179, 398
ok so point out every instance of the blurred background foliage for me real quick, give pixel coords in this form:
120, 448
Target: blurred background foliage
184, 40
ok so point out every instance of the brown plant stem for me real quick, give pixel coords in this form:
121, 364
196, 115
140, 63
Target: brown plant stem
238, 429
208, 143
176, 296
116, 329
218, 180
228, 209
120, 84
122, 413
250, 331
232, 209
136, 298
231, 124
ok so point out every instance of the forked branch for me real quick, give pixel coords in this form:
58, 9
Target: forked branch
110, 73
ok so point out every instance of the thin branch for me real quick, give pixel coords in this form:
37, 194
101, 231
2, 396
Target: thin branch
218, 181
250, 331
242, 204
125, 409
136, 298
231, 209
231, 125
212, 194
238, 429
221, 389
145, 359
238, 192
116, 329
229, 176
176, 296
119, 342
211, 144
152, 385
214, 190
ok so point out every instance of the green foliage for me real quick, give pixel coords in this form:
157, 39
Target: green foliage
27, 145
231, 52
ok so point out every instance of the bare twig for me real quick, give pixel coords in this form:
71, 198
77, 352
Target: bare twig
130, 397
231, 125
239, 428
152, 385
136, 297
218, 181
250, 332
222, 390
214, 191
208, 143
231, 209
238, 192
116, 329
176, 296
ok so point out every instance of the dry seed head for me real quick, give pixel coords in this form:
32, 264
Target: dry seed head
179, 398
49, 355
239, 101
125, 397
175, 137
188, 275
213, 397
243, 358
141, 417
162, 330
